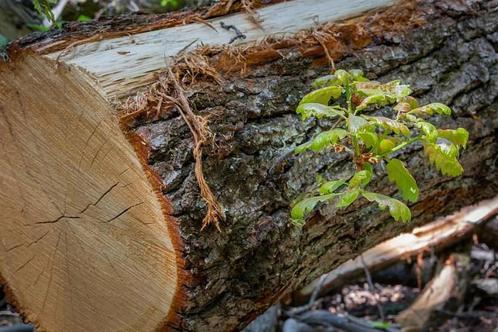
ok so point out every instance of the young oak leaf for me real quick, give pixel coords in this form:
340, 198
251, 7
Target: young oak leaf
369, 139
319, 111
355, 123
430, 109
348, 198
301, 209
377, 100
361, 178
458, 136
390, 125
358, 75
323, 140
386, 145
324, 81
327, 138
429, 130
444, 157
399, 174
394, 90
323, 95
331, 186
397, 209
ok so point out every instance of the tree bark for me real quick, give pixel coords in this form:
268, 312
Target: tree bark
128, 212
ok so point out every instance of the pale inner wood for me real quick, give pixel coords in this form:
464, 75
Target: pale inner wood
83, 242
121, 65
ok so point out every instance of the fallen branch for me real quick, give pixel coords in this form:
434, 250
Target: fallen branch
344, 322
447, 289
436, 235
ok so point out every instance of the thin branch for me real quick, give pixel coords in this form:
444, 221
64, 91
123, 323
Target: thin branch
372, 288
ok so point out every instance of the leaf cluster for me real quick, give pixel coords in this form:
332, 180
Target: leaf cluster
350, 99
44, 8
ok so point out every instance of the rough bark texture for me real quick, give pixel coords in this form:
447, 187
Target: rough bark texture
259, 255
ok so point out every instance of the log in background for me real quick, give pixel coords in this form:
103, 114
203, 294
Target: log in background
259, 255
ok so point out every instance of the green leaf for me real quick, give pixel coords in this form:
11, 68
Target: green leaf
172, 4
38, 27
324, 81
447, 147
44, 8
429, 130
361, 178
401, 91
413, 102
84, 18
317, 110
377, 100
327, 138
355, 123
444, 155
301, 209
399, 174
393, 90
358, 75
323, 95
381, 325
331, 186
390, 125
323, 140
348, 198
458, 136
397, 209
303, 147
370, 139
343, 76
430, 109
386, 145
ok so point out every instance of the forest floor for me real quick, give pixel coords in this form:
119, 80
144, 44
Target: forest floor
394, 289
397, 288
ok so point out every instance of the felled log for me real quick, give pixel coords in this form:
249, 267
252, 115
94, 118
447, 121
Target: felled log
100, 206
436, 235
445, 291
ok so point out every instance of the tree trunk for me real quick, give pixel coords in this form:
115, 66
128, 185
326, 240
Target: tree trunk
100, 204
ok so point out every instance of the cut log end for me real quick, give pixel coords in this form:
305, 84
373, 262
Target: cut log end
82, 225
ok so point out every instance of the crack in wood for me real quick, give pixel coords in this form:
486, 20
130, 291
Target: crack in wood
122, 212
100, 198
57, 220
38, 240
24, 264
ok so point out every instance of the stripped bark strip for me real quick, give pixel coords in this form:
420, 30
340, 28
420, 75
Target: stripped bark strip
198, 128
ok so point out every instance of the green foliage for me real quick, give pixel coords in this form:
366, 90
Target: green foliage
323, 95
319, 111
458, 136
444, 155
331, 186
44, 8
171, 4
400, 175
323, 140
349, 98
84, 18
397, 209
